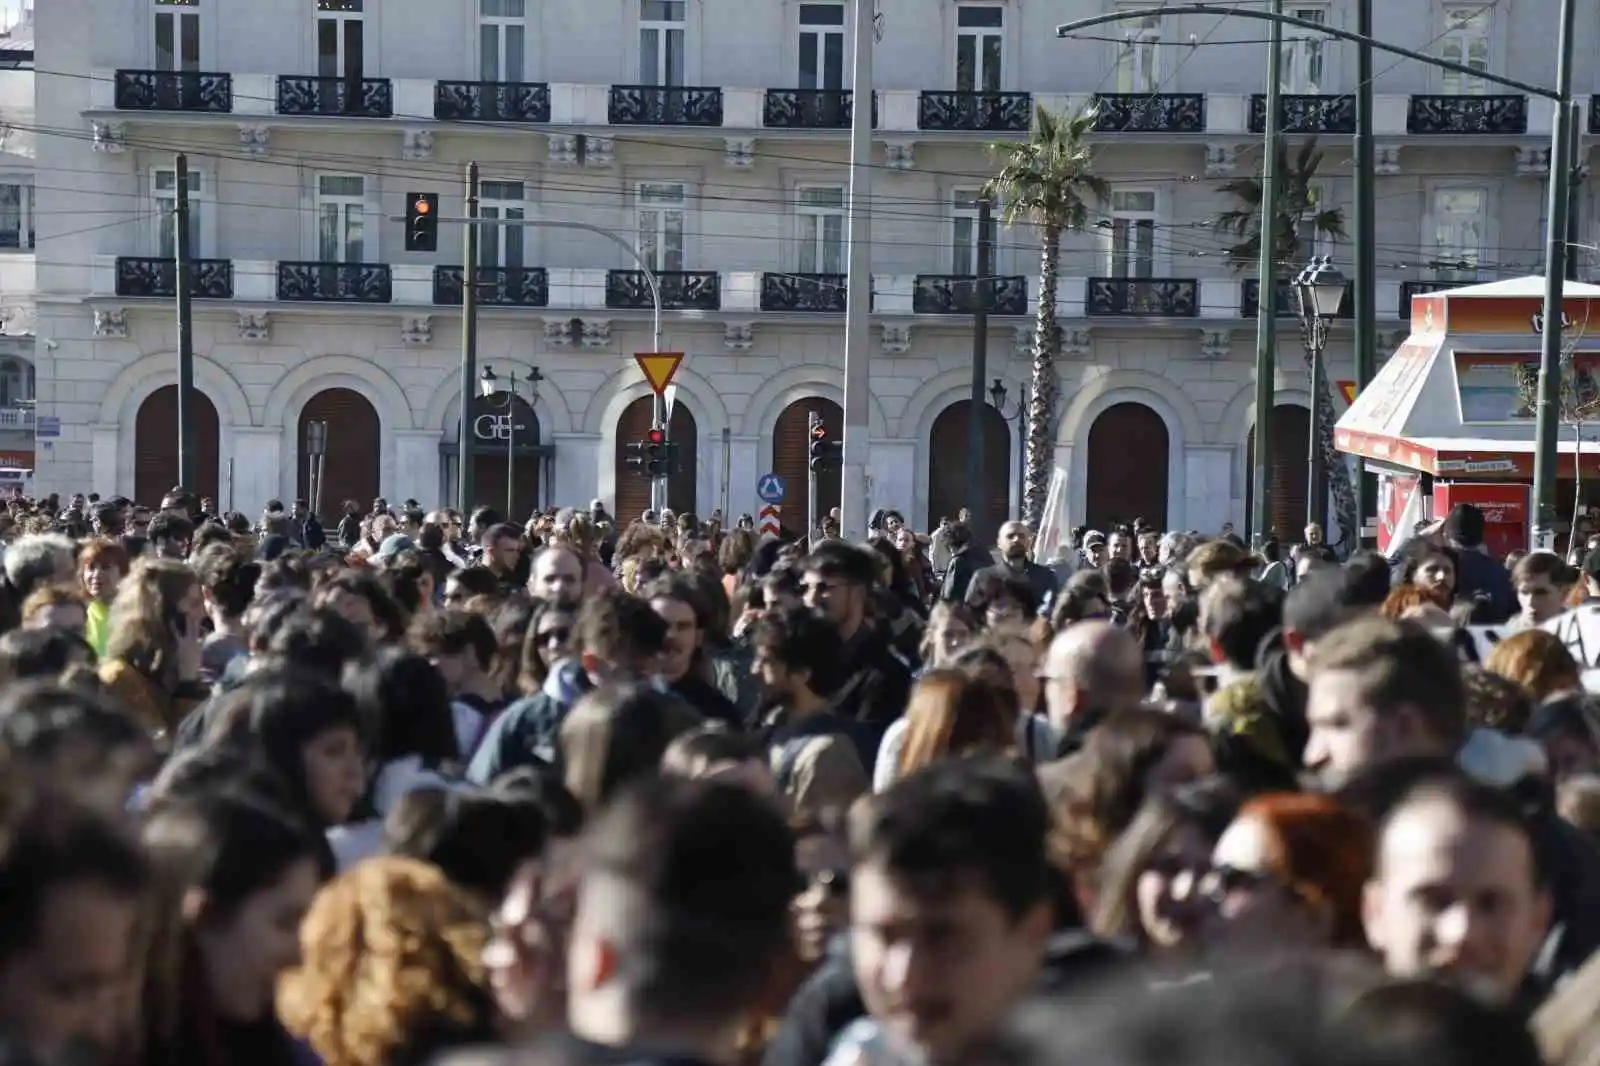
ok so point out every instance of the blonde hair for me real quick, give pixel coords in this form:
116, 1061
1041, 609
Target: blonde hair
140, 619
42, 599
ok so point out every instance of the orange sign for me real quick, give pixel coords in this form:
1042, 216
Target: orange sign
659, 368
1348, 390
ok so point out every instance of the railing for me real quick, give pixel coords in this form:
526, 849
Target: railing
491, 101
1142, 297
1594, 114
1502, 114
497, 286
824, 293
16, 418
957, 294
173, 90
304, 94
658, 105
363, 283
982, 112
809, 109
1306, 113
1149, 112
681, 290
14, 238
154, 276
1408, 289
1288, 305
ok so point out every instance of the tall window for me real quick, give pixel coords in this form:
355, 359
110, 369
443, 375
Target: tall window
980, 42
1303, 52
1139, 56
341, 218
820, 229
1465, 41
661, 42
177, 34
1133, 233
821, 46
16, 216
501, 246
339, 38
964, 233
661, 210
1459, 218
164, 191
502, 32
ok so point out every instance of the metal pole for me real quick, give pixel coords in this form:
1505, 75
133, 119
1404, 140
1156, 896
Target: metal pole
183, 285
469, 347
1022, 455
1316, 490
858, 299
1575, 185
1267, 289
983, 294
1547, 429
813, 420
1366, 245
511, 445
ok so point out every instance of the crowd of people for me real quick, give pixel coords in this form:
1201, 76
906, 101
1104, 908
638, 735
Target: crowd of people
431, 787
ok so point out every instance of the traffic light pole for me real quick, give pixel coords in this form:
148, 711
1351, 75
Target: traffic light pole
469, 347
813, 420
183, 270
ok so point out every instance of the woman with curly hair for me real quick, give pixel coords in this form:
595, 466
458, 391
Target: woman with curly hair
392, 970
152, 662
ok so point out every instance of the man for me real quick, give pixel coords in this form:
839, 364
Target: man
462, 647
170, 534
966, 559
797, 658
557, 575
837, 581
1093, 669
502, 553
1120, 544
1016, 543
1236, 618
1313, 535
36, 560
228, 582
683, 666
1149, 548
1094, 548
105, 519
1478, 573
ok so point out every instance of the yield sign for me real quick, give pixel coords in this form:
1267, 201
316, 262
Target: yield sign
658, 367
1348, 389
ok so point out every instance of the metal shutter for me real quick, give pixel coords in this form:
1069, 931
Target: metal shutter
1291, 436
350, 467
155, 447
947, 470
1127, 468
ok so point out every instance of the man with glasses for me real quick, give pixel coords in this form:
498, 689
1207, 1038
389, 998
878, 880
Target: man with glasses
837, 582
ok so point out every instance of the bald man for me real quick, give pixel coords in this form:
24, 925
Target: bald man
1091, 670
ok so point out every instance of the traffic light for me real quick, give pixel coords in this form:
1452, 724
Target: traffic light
422, 221
826, 454
636, 458
658, 462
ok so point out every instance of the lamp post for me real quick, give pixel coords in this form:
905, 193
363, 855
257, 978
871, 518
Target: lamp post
997, 398
1319, 290
489, 387
316, 452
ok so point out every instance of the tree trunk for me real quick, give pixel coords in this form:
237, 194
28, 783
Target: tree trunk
1041, 413
1335, 469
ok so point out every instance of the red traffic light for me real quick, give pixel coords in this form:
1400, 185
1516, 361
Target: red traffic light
656, 436
422, 206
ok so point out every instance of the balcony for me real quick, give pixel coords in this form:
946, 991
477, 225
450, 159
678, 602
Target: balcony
1149, 113
681, 290
1594, 115
1142, 297
173, 90
957, 294
158, 277
809, 109
300, 94
974, 112
16, 418
357, 283
497, 286
1408, 289
657, 105
807, 293
491, 101
1288, 301
1306, 113
1481, 115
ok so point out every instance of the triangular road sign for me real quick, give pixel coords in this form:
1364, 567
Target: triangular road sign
1348, 388
658, 367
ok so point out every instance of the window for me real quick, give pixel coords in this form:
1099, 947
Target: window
1133, 233
501, 33
164, 190
821, 46
661, 40
1304, 52
1139, 56
1459, 218
1312, 241
501, 246
979, 46
15, 383
820, 229
177, 34
661, 211
341, 218
964, 233
1466, 41
16, 216
339, 35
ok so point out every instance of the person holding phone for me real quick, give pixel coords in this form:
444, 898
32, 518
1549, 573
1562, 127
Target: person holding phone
153, 652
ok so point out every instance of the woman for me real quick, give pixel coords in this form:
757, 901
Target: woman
1009, 657
950, 626
950, 715
580, 536
1537, 660
615, 735
152, 661
102, 565
547, 643
733, 558
361, 598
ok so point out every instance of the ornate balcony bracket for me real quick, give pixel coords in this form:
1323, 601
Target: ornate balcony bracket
898, 155
255, 139
1215, 343
416, 331
1221, 159
1022, 340
895, 339
1387, 161
599, 151
416, 144
739, 336
1076, 342
1532, 162
558, 332
111, 323
739, 152
110, 137
562, 149
596, 333
255, 326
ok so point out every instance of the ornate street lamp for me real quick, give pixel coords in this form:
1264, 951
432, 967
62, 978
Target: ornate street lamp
1319, 289
489, 386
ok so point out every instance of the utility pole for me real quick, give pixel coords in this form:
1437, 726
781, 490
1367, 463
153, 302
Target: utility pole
469, 347
983, 295
183, 286
858, 298
1574, 188
1366, 245
813, 520
1267, 289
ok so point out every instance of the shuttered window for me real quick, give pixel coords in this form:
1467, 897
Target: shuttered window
350, 462
1291, 437
947, 470
155, 447
1127, 466
791, 459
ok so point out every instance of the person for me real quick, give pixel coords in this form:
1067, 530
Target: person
153, 655
102, 565
227, 582
1015, 562
836, 582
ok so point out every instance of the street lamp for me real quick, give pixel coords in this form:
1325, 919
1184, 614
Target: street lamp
489, 387
997, 398
1319, 290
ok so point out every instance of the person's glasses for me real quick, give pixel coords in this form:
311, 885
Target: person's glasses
554, 636
1222, 881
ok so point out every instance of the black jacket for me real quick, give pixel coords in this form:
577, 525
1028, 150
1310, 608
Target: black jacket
1040, 579
877, 683
960, 573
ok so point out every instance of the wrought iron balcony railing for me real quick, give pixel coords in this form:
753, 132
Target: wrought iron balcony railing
497, 286
491, 101
1150, 112
173, 90
957, 294
305, 94
1306, 113
1142, 297
362, 283
1502, 114
979, 112
659, 105
823, 293
681, 290
153, 276
810, 109
1288, 301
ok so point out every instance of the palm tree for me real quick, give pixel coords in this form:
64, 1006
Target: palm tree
1300, 215
1047, 182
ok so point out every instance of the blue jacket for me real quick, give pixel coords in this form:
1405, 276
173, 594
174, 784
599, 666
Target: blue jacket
528, 731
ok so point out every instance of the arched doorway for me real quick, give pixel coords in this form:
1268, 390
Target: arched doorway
503, 442
947, 469
1291, 437
791, 459
350, 458
1127, 466
155, 447
633, 491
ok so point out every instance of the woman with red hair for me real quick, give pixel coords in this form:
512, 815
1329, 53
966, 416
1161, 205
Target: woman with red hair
1287, 876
